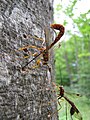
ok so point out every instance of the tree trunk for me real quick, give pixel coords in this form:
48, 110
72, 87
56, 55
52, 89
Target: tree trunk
24, 95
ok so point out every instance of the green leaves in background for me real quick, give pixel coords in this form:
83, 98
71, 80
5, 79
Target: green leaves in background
73, 57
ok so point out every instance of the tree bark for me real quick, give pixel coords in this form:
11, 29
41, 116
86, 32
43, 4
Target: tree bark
24, 95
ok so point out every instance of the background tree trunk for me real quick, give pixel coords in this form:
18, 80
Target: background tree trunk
24, 95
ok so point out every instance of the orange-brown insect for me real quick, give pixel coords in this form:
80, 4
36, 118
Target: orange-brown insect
73, 110
45, 54
44, 51
61, 29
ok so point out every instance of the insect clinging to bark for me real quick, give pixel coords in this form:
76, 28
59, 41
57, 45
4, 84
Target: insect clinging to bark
44, 50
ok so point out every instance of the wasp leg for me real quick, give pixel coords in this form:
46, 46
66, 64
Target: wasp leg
25, 48
27, 52
38, 64
31, 36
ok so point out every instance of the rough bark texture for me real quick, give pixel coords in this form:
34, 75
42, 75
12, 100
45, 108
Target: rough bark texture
23, 95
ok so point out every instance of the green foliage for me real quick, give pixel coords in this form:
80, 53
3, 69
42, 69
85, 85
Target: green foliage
69, 10
73, 60
59, 7
73, 57
83, 23
79, 102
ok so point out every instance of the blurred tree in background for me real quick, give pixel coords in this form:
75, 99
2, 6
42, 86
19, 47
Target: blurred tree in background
73, 57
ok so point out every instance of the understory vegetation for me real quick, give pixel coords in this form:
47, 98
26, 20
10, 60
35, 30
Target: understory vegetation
72, 59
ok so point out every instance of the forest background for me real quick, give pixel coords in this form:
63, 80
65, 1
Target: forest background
72, 58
